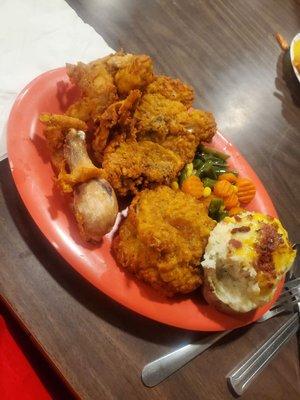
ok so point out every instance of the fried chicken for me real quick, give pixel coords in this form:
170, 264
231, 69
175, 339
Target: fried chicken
172, 89
163, 238
95, 206
118, 115
55, 129
130, 166
97, 88
172, 125
102, 82
130, 71
80, 167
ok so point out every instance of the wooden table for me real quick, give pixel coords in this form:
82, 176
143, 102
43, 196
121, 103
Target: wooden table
227, 51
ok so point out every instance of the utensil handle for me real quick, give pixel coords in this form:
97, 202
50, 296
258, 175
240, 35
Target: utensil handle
242, 376
160, 369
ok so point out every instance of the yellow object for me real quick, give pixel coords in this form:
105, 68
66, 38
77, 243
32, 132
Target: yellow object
246, 190
223, 189
206, 191
193, 186
189, 169
296, 60
231, 201
174, 185
228, 176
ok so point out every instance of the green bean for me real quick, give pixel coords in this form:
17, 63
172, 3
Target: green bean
205, 169
215, 160
215, 205
214, 152
215, 209
218, 171
197, 163
208, 182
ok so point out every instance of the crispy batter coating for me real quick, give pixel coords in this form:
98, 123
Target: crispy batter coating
56, 127
91, 78
172, 89
130, 166
103, 78
97, 87
88, 108
118, 115
130, 72
171, 124
163, 238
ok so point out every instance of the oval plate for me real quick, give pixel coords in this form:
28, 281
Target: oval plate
33, 175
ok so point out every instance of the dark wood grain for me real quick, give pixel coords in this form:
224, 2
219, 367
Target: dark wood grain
227, 51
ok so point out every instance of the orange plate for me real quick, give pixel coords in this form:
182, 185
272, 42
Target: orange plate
33, 175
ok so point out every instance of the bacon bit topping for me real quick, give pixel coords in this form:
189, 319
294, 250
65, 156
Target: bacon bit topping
270, 240
235, 243
237, 218
241, 229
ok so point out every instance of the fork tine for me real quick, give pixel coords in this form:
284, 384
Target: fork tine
285, 297
292, 283
272, 312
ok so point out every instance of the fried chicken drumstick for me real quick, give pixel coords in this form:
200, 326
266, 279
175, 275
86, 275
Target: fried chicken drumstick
94, 202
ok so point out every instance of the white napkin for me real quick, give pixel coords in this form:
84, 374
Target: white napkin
35, 36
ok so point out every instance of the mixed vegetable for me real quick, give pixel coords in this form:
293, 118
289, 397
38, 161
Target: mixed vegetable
208, 177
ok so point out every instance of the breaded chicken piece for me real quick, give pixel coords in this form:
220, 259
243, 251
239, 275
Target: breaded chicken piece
130, 71
97, 87
118, 115
172, 125
102, 80
91, 78
172, 89
56, 127
131, 166
163, 238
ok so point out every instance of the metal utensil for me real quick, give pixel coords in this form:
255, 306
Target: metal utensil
158, 370
242, 376
285, 303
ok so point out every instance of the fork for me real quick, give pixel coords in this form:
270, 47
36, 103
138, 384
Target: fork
286, 301
240, 378
161, 368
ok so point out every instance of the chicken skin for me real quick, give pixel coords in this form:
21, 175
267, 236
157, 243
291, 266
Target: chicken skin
172, 125
56, 127
133, 72
130, 166
97, 88
172, 89
163, 238
103, 81
117, 117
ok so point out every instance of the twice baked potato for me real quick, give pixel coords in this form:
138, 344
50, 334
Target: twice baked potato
246, 257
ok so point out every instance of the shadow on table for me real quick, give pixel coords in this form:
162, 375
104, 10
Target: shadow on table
83, 291
288, 88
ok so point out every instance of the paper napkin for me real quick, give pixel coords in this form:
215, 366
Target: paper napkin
36, 36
